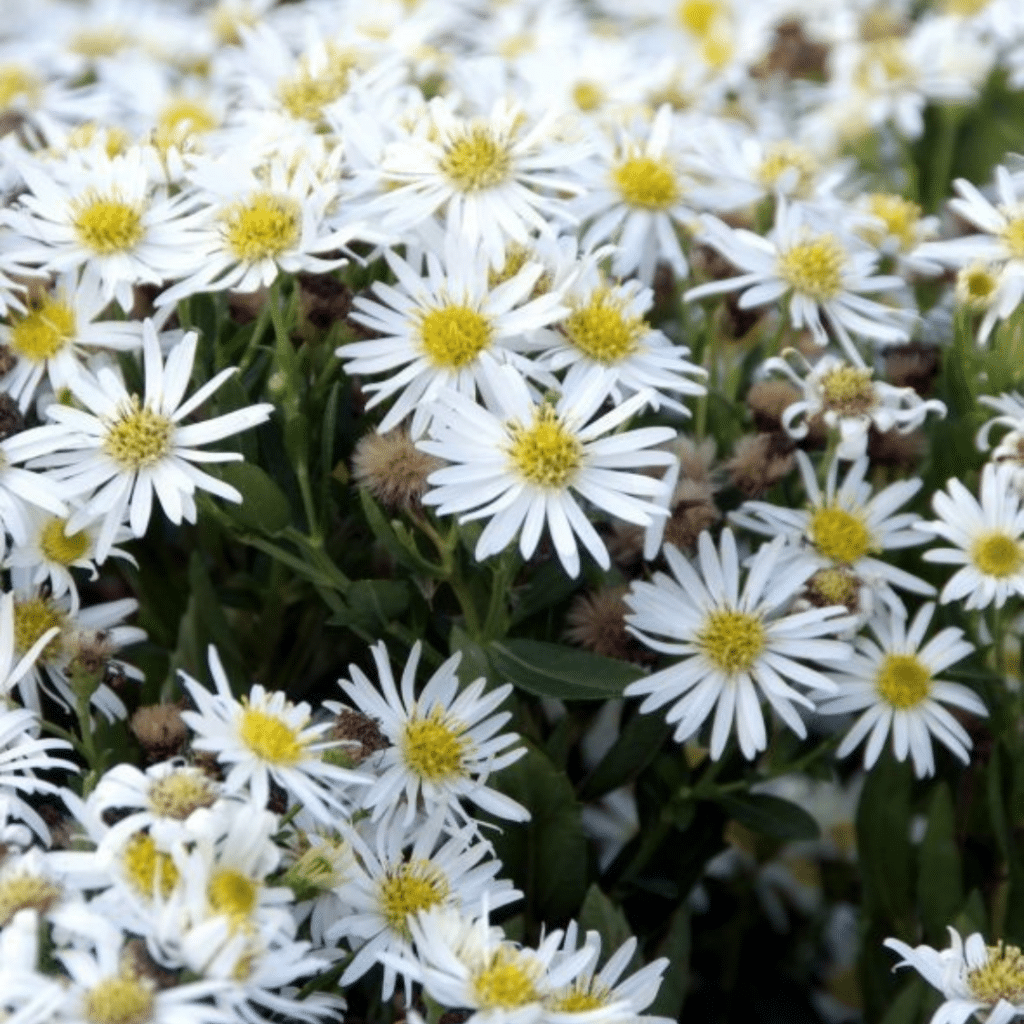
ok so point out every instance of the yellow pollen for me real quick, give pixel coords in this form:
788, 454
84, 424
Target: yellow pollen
270, 738
1013, 237
601, 329
453, 336
181, 119
587, 96
506, 982
1001, 976
516, 257
123, 999
32, 618
263, 227
997, 554
477, 160
306, 95
781, 157
698, 16
839, 535
546, 454
179, 794
900, 217
814, 268
435, 747
15, 81
976, 285
232, 893
44, 331
647, 182
408, 889
835, 586
848, 391
106, 223
58, 546
148, 868
580, 998
139, 437
21, 892
902, 680
732, 640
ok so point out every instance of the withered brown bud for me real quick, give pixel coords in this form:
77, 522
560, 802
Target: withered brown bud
323, 300
893, 448
768, 400
246, 306
834, 586
759, 461
359, 730
392, 468
793, 55
160, 730
11, 420
596, 621
912, 366
136, 959
693, 511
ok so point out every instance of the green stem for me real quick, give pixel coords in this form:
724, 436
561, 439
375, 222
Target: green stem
950, 116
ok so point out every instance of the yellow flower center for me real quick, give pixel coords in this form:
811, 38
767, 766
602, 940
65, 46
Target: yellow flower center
148, 868
839, 535
508, 981
44, 331
270, 738
32, 618
1001, 976
227, 18
900, 217
976, 285
781, 157
82, 136
546, 454
106, 223
718, 46
105, 41
1013, 237
453, 336
582, 996
587, 96
181, 119
698, 16
834, 586
848, 391
140, 437
647, 182
21, 892
57, 546
408, 889
15, 81
179, 794
814, 268
601, 330
997, 554
435, 747
232, 893
264, 227
902, 680
123, 999
884, 62
732, 640
477, 160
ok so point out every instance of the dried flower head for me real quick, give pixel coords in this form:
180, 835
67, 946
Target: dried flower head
596, 621
759, 461
160, 730
392, 468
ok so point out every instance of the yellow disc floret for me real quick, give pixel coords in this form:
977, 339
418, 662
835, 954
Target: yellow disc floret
603, 330
587, 96
270, 738
899, 216
408, 889
15, 82
435, 746
263, 227
106, 224
453, 336
698, 16
25, 891
60, 547
148, 869
32, 618
44, 331
181, 119
1000, 977
839, 535
546, 453
139, 437
232, 893
179, 794
579, 998
122, 999
997, 554
476, 160
781, 157
732, 640
1013, 237
902, 680
508, 981
977, 285
848, 390
814, 267
647, 182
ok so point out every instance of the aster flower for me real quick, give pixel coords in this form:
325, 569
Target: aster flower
121, 450
735, 646
987, 539
1009, 453
444, 743
892, 680
267, 737
519, 462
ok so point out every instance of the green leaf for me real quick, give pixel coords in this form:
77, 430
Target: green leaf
636, 746
474, 662
676, 982
906, 1007
400, 546
264, 506
769, 815
372, 604
939, 889
601, 915
547, 855
553, 670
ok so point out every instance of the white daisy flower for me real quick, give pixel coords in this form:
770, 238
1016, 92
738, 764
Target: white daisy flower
819, 273
892, 680
735, 647
1009, 453
444, 741
121, 450
266, 737
972, 976
521, 463
396, 878
844, 528
988, 539
437, 329
27, 995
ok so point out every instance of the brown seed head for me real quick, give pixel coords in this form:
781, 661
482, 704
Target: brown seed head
160, 730
392, 468
759, 461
